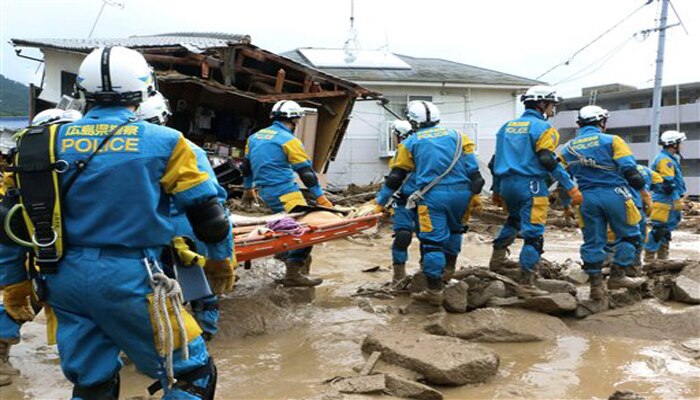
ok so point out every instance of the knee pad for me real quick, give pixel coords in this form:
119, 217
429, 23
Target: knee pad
185, 382
634, 240
536, 242
402, 239
660, 232
209, 221
104, 391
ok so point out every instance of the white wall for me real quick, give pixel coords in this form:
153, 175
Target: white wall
54, 63
359, 160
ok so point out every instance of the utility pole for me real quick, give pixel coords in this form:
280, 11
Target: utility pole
656, 101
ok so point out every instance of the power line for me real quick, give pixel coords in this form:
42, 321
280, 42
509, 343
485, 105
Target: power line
577, 52
678, 16
603, 60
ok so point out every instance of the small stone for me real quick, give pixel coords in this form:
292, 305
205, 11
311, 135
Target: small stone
404, 388
572, 272
456, 297
625, 395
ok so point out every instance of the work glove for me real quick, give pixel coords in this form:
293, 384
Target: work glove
17, 301
569, 214
378, 208
186, 254
475, 205
220, 275
250, 196
497, 199
324, 202
646, 202
575, 196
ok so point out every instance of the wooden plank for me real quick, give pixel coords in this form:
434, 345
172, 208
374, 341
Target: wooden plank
302, 96
279, 81
371, 363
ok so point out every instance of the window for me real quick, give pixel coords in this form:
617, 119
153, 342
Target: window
67, 82
411, 98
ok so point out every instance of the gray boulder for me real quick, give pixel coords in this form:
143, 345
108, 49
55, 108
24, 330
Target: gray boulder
556, 286
456, 297
494, 289
399, 387
555, 303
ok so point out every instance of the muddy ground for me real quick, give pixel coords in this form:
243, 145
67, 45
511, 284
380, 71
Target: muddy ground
276, 345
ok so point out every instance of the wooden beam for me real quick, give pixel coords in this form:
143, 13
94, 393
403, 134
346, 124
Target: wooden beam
279, 81
302, 96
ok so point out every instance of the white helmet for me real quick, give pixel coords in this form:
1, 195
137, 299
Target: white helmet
541, 93
589, 114
401, 128
670, 138
422, 113
115, 76
156, 109
56, 116
286, 109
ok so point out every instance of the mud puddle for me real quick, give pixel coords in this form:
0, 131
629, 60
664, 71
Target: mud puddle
291, 360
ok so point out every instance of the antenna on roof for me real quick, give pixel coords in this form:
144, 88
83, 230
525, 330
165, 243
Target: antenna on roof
115, 3
352, 44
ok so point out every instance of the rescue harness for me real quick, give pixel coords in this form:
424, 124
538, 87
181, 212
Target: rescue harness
587, 161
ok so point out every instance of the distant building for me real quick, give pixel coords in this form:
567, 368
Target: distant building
475, 100
630, 118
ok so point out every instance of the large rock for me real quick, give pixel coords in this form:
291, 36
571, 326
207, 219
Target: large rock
494, 289
263, 312
645, 320
572, 272
556, 286
555, 303
399, 387
456, 297
589, 307
687, 286
500, 325
441, 360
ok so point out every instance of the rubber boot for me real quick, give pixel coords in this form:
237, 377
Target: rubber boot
527, 287
662, 254
294, 277
306, 269
399, 272
597, 287
499, 259
618, 279
6, 368
649, 257
432, 295
450, 267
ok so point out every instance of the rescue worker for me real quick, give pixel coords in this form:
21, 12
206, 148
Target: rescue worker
667, 207
523, 161
15, 287
106, 291
404, 220
272, 156
446, 174
190, 252
606, 171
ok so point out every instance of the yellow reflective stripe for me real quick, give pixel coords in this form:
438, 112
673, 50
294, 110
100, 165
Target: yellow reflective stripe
56, 220
191, 327
562, 161
678, 205
633, 214
291, 200
182, 172
611, 235
538, 213
660, 211
665, 168
467, 144
403, 159
51, 325
620, 148
655, 177
424, 222
548, 140
295, 152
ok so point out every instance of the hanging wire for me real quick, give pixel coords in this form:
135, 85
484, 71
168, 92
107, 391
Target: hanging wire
602, 60
589, 44
679, 17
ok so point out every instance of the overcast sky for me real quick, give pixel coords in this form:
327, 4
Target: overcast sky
524, 38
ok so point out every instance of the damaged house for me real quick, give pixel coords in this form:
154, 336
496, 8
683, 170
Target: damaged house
220, 87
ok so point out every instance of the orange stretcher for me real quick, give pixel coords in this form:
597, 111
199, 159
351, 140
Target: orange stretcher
250, 246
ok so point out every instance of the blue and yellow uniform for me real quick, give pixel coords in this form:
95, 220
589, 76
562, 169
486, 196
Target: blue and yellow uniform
116, 216
428, 153
667, 207
274, 155
521, 180
404, 220
608, 200
205, 309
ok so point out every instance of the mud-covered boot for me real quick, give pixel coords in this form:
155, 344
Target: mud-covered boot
432, 295
526, 287
649, 257
294, 278
499, 259
662, 254
6, 368
450, 266
306, 269
619, 279
597, 287
399, 270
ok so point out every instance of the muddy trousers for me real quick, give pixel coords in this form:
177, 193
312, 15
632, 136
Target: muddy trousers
99, 303
9, 329
613, 241
527, 202
283, 198
440, 226
664, 220
603, 207
404, 226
